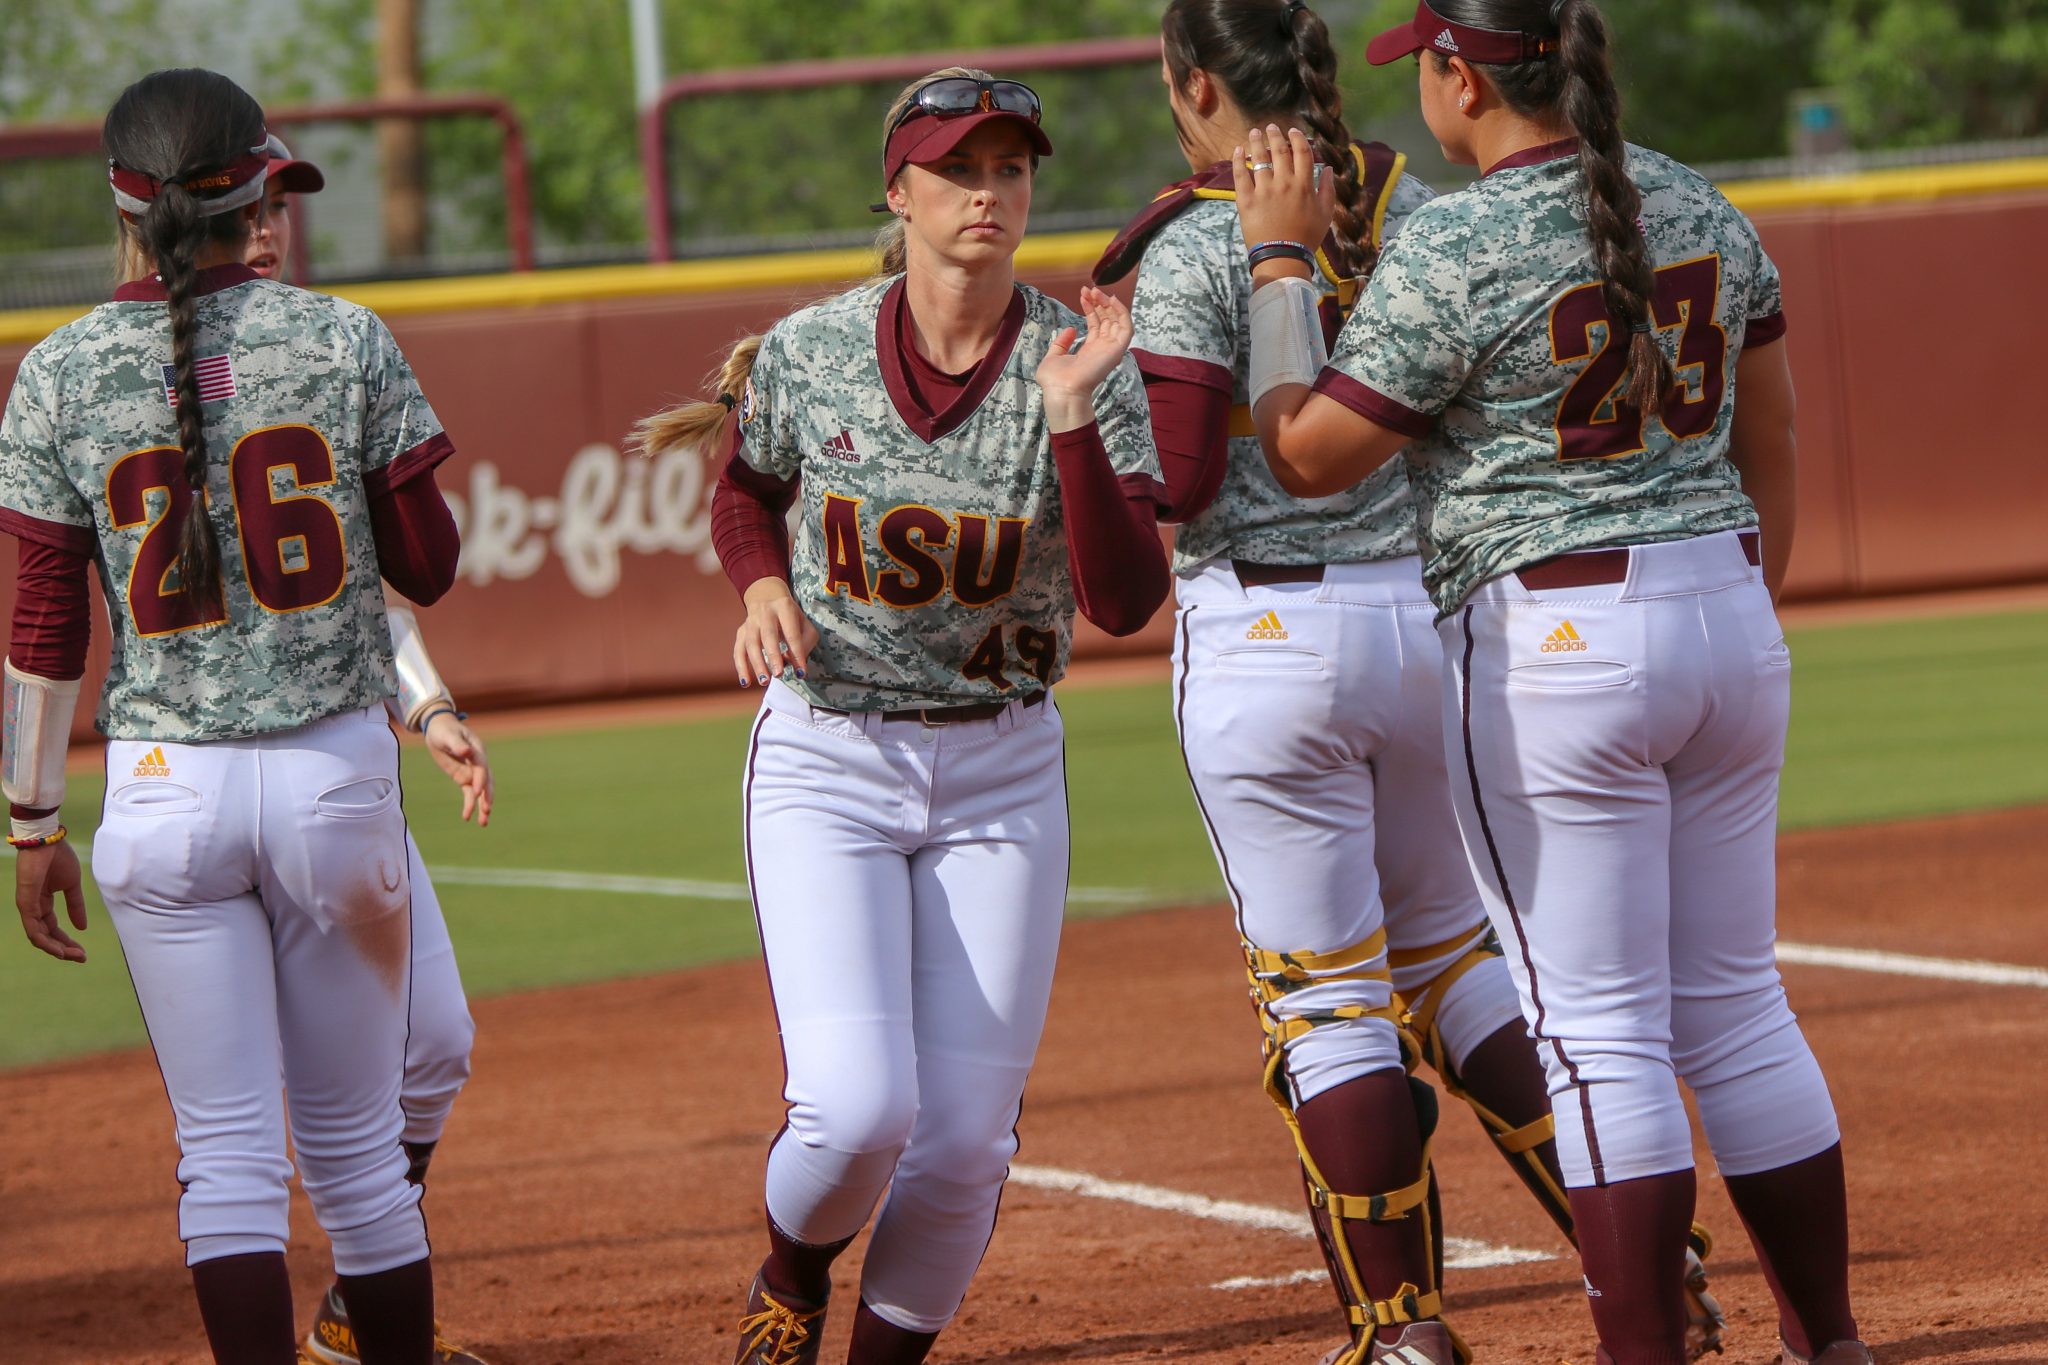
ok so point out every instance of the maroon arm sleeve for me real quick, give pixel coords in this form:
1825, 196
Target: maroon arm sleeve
52, 619
748, 526
1113, 550
1191, 427
417, 543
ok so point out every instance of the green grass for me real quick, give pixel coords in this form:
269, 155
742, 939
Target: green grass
1890, 720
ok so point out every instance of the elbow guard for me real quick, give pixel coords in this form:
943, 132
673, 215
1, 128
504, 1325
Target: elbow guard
420, 689
38, 735
1287, 336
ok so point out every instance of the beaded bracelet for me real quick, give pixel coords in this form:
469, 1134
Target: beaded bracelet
1269, 251
55, 836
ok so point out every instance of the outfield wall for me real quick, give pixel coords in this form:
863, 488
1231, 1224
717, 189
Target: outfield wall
589, 572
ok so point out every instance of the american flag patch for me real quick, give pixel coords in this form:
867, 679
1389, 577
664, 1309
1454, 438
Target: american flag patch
215, 375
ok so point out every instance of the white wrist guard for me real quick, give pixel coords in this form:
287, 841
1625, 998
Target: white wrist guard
38, 735
1287, 335
420, 688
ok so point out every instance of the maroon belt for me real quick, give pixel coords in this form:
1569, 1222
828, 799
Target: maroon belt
1254, 575
947, 715
1586, 568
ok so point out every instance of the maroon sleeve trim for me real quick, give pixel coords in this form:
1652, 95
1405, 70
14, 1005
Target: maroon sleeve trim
1187, 369
1373, 405
58, 535
1764, 330
422, 458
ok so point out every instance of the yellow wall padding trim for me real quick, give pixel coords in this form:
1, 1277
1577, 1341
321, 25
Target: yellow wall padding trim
1049, 252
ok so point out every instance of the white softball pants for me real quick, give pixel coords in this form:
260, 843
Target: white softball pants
438, 1045
1318, 765
1618, 795
908, 883
261, 893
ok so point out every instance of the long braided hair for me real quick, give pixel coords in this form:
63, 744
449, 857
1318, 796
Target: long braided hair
1575, 85
174, 126
1275, 60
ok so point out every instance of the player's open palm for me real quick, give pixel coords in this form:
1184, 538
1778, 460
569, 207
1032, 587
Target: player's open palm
1076, 371
1280, 195
776, 634
40, 876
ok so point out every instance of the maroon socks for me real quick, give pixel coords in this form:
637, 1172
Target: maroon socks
797, 1269
1366, 1139
880, 1342
1632, 1241
246, 1304
392, 1314
1798, 1221
1504, 1074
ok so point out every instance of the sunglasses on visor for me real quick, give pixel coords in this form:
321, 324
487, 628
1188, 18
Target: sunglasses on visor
952, 95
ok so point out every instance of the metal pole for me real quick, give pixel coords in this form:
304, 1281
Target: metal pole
646, 52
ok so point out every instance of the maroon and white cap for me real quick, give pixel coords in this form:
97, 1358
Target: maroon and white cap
928, 136
297, 177
1428, 29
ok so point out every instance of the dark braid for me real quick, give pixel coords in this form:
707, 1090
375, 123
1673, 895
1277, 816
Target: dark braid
173, 125
1576, 85
1276, 62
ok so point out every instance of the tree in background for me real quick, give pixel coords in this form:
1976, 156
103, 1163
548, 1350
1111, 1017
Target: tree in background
1916, 74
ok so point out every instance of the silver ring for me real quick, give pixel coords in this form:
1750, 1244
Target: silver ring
1261, 166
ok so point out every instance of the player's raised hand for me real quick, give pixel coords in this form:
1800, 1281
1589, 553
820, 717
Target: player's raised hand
1069, 375
776, 634
461, 755
1280, 195
40, 876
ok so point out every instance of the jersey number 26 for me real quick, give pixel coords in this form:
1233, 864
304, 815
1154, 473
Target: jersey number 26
293, 554
1686, 297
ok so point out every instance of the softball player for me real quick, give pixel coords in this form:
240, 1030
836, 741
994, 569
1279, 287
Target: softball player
438, 1042
1559, 349
242, 460
1306, 683
966, 478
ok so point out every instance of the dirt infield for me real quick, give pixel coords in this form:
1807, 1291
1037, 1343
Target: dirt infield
597, 1197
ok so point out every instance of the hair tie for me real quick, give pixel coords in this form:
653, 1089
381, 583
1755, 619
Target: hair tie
1295, 7
1557, 10
729, 401
1642, 329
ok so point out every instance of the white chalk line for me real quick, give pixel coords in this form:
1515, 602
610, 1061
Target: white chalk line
1463, 1253
1874, 960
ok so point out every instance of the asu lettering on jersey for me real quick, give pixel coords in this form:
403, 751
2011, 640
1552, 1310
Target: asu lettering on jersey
1192, 312
313, 410
933, 561
1484, 336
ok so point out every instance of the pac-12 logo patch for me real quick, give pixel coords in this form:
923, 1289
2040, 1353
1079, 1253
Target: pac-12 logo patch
748, 405
1563, 640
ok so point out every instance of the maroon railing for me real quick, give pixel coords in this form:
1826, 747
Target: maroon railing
83, 139
846, 71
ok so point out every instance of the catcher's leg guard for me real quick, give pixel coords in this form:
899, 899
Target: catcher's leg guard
1274, 976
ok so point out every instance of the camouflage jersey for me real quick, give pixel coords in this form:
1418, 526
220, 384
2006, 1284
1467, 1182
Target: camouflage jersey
1192, 311
930, 552
1484, 336
309, 410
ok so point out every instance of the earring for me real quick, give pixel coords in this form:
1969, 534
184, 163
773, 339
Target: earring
1464, 100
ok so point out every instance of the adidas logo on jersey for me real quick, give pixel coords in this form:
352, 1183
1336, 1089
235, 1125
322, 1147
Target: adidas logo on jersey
153, 764
840, 447
1563, 640
1267, 627
1445, 42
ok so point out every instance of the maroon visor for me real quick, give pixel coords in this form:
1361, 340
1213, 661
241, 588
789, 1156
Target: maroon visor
292, 175
929, 136
1500, 47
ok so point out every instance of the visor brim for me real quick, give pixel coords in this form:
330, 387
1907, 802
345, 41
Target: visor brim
1400, 41
931, 137
297, 177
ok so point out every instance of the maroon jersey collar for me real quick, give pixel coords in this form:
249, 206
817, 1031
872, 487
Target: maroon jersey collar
931, 426
211, 280
1536, 156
